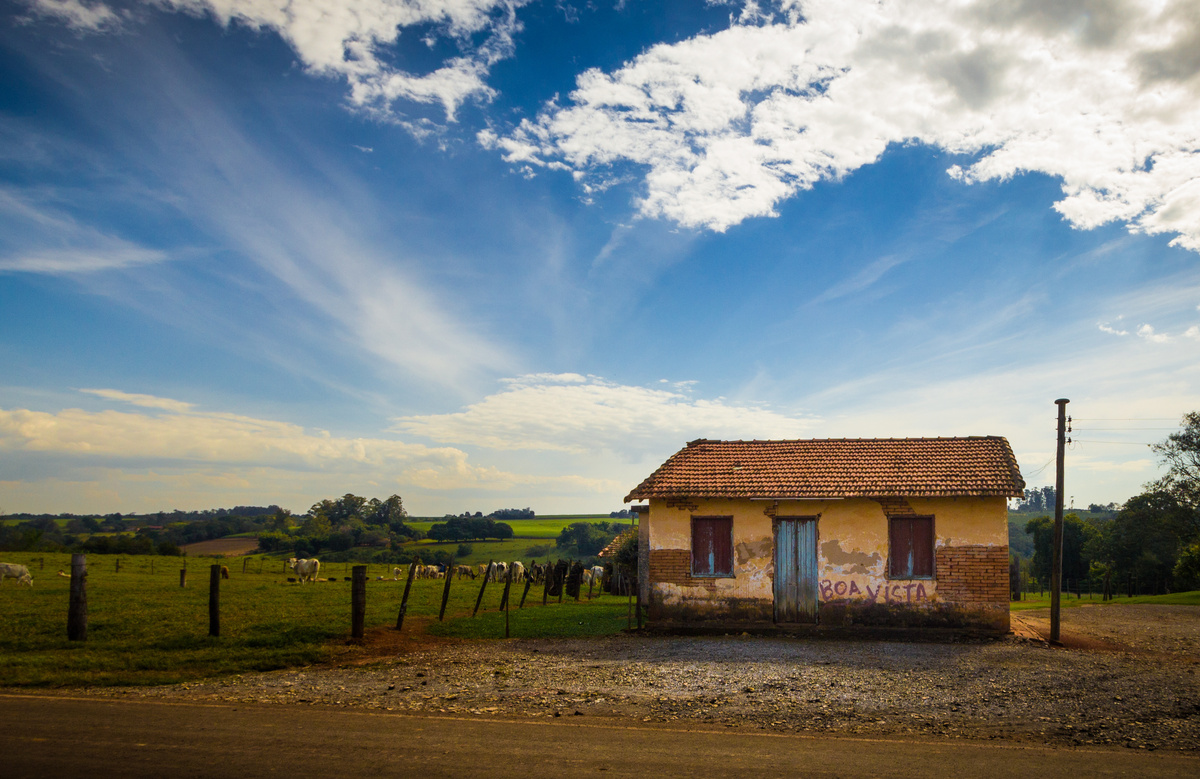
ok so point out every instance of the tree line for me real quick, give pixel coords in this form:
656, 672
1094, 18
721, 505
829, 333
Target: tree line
1153, 539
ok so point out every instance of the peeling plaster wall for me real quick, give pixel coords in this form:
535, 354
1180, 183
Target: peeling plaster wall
852, 553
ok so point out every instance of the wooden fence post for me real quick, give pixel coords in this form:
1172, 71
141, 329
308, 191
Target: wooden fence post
487, 575
77, 609
528, 583
183, 577
152, 565
446, 589
507, 586
118, 565
412, 572
358, 600
546, 582
245, 562
214, 600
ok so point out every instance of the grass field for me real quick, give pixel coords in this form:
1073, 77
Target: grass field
144, 629
541, 527
1070, 601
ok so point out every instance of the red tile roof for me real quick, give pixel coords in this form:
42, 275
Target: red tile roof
837, 468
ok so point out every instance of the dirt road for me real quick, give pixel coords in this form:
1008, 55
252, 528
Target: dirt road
65, 736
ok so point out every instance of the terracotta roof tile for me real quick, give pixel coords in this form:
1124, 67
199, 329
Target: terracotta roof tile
838, 468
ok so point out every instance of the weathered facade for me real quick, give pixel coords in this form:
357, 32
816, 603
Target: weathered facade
906, 532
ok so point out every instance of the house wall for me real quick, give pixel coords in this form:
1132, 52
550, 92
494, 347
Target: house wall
969, 587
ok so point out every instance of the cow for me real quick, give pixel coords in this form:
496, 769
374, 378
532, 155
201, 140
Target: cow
306, 570
499, 571
224, 572
484, 570
433, 572
538, 572
15, 571
395, 574
464, 570
518, 571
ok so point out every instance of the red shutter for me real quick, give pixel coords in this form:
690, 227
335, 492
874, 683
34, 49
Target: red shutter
900, 538
922, 543
702, 547
911, 547
712, 546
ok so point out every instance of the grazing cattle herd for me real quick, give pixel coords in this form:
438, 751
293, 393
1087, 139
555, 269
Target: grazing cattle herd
308, 569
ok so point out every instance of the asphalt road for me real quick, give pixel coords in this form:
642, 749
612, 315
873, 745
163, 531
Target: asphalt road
56, 736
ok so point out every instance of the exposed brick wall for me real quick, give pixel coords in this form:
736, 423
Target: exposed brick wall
674, 566
974, 575
895, 507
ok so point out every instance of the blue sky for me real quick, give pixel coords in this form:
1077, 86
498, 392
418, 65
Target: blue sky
490, 253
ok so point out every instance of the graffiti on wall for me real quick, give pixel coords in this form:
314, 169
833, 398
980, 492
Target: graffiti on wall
882, 592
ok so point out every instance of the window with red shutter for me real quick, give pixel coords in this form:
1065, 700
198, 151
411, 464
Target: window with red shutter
712, 546
910, 547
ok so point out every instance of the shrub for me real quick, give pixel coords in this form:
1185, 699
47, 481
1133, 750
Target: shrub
464, 550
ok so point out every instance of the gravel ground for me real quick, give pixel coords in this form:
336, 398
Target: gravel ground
1136, 685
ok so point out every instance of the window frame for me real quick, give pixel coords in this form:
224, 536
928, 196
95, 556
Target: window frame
714, 574
891, 569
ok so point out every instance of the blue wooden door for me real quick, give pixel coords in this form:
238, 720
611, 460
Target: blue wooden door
795, 569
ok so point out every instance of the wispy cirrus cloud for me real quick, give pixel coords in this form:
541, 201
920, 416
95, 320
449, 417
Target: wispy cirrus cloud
81, 15
1102, 95
38, 238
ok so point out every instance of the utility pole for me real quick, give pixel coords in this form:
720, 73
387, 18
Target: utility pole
1057, 554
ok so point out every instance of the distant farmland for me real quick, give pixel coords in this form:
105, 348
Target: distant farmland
232, 546
540, 527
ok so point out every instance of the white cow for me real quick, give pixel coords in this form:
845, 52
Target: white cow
305, 569
499, 571
15, 571
518, 571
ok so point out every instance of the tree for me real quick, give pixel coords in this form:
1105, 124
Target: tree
1076, 534
385, 512
1180, 452
1186, 575
1145, 538
587, 537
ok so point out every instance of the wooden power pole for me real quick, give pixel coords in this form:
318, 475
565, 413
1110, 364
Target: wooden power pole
1057, 552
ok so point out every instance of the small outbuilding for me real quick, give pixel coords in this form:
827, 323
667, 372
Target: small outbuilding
871, 531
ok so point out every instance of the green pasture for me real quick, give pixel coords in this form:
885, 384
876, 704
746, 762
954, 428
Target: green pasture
541, 527
1069, 600
144, 629
486, 551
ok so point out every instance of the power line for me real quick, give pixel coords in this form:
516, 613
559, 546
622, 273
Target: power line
1126, 443
1124, 419
1122, 429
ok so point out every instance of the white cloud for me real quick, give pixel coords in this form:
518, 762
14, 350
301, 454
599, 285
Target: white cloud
1106, 328
182, 440
1103, 94
78, 14
544, 412
350, 39
1192, 332
146, 401
1147, 332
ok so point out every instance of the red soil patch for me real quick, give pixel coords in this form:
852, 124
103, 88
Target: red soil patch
227, 547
